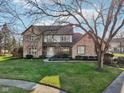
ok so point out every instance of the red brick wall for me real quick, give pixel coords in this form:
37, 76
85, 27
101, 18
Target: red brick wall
26, 43
86, 41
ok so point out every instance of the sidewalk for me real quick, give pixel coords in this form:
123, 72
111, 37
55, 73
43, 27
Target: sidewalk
117, 86
34, 87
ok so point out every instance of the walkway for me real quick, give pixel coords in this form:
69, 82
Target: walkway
36, 88
117, 86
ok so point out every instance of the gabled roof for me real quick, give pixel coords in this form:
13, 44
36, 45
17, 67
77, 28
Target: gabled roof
118, 40
76, 37
66, 29
80, 37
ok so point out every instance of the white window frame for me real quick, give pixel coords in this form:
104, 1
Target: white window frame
58, 38
33, 50
81, 50
33, 37
66, 38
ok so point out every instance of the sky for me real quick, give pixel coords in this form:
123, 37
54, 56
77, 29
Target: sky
23, 22
20, 6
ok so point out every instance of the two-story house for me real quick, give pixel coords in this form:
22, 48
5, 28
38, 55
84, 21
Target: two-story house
117, 45
53, 40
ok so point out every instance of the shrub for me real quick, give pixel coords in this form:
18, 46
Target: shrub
120, 60
65, 55
108, 54
79, 57
60, 57
17, 52
42, 56
20, 52
29, 56
90, 58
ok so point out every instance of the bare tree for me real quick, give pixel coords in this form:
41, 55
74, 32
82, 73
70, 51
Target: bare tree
120, 34
105, 22
11, 16
7, 38
1, 38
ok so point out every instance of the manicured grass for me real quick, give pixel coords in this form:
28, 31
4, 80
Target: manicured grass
3, 58
74, 77
118, 55
4, 89
51, 80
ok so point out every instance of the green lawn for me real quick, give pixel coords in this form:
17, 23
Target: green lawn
51, 80
4, 58
4, 89
74, 77
118, 55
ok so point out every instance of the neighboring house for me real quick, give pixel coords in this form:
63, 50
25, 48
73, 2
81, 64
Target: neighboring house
117, 45
53, 40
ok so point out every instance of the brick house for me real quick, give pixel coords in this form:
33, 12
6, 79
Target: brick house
84, 46
117, 45
53, 40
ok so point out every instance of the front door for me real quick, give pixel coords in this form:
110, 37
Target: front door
50, 52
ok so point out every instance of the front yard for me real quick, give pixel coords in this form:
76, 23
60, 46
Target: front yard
74, 77
118, 55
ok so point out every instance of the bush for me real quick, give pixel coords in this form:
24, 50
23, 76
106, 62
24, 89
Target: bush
79, 57
90, 58
108, 54
42, 57
29, 56
65, 55
17, 52
120, 60
20, 52
60, 57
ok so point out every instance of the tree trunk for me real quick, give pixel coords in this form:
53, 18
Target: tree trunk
0, 52
100, 61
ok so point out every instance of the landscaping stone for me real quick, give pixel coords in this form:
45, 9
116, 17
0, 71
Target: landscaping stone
117, 86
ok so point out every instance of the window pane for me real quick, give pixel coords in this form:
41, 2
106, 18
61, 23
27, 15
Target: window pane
81, 49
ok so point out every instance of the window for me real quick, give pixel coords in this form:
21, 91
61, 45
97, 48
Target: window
33, 50
49, 38
58, 38
33, 38
80, 50
65, 50
66, 38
